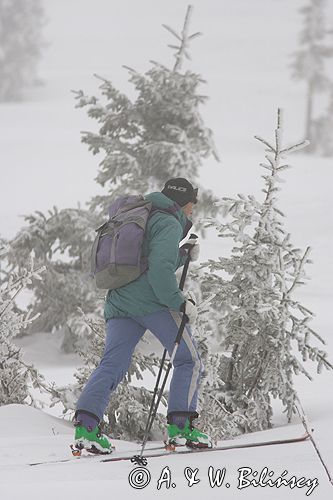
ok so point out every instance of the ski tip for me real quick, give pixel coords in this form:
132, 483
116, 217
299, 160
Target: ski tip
75, 451
170, 447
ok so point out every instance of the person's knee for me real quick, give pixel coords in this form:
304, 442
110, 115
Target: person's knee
188, 359
116, 379
114, 369
188, 355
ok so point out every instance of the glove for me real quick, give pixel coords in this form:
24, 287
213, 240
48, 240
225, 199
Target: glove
189, 308
195, 249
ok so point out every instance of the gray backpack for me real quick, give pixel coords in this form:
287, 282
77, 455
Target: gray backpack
116, 257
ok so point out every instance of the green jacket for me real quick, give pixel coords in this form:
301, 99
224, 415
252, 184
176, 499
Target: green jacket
157, 288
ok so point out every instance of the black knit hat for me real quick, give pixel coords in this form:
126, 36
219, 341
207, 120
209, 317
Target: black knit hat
181, 191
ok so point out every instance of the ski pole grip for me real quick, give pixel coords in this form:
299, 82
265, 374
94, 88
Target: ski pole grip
187, 262
192, 237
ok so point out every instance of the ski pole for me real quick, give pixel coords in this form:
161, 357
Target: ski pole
303, 418
181, 287
148, 425
151, 416
154, 406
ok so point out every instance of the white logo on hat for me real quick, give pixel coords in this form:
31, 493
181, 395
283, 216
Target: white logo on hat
178, 188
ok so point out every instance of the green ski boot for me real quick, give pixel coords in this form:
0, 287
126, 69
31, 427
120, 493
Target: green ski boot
188, 435
91, 440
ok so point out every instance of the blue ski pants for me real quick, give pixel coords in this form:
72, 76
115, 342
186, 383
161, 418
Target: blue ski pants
122, 336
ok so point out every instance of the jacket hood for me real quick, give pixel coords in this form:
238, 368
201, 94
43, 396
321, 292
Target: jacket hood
159, 200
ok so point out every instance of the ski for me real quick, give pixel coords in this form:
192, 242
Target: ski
160, 451
143, 460
89, 456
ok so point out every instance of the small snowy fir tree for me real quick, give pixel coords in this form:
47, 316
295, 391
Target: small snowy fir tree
309, 61
21, 23
62, 241
261, 321
16, 375
159, 135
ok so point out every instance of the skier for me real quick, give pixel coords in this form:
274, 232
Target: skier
154, 302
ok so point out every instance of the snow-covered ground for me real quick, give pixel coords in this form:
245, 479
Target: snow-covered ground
244, 56
31, 436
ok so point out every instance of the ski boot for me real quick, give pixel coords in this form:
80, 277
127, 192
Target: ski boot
89, 437
182, 432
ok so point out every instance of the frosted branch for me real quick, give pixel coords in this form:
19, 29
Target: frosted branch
131, 70
271, 160
270, 147
268, 167
283, 167
296, 147
315, 334
195, 35
300, 268
172, 32
278, 132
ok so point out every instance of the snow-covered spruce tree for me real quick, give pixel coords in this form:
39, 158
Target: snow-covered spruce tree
21, 23
62, 242
308, 62
16, 375
262, 323
157, 136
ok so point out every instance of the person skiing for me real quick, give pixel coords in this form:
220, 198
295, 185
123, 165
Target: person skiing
154, 302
